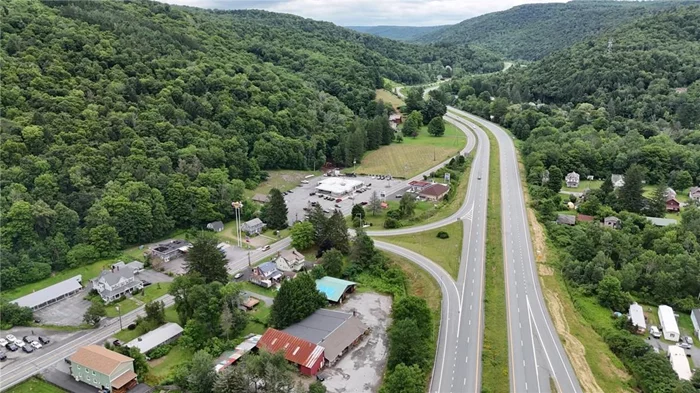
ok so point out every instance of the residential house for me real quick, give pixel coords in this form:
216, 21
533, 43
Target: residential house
260, 198
307, 356
51, 294
670, 193
335, 289
266, 275
695, 318
672, 205
694, 193
115, 283
612, 222
669, 326
135, 266
216, 226
106, 370
566, 219
572, 179
253, 227
636, 315
170, 250
435, 192
618, 180
290, 260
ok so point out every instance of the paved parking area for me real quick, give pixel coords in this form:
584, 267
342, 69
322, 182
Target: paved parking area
56, 336
153, 276
361, 370
67, 312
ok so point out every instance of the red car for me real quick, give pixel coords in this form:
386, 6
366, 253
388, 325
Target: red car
338, 200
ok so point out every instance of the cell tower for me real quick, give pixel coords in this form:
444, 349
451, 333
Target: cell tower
610, 43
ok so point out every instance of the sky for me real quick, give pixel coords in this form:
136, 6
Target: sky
371, 12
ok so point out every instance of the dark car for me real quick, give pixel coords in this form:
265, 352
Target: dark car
337, 205
29, 339
28, 349
338, 200
312, 193
117, 343
320, 377
44, 340
2, 356
147, 283
363, 203
12, 347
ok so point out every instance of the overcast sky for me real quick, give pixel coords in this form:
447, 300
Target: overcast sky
372, 12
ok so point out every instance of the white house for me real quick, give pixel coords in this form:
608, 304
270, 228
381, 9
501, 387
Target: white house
636, 314
695, 317
668, 323
618, 180
290, 260
679, 362
572, 179
115, 283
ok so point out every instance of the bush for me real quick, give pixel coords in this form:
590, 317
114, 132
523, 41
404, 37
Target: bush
443, 235
391, 223
159, 351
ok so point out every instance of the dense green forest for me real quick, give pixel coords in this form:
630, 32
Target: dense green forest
124, 120
400, 33
532, 31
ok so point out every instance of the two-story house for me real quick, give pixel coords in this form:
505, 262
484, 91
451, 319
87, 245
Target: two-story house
572, 179
106, 370
694, 193
115, 283
253, 227
290, 260
266, 274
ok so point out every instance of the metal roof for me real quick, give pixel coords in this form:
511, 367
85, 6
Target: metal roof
637, 315
679, 362
668, 319
696, 312
155, 337
333, 287
295, 349
50, 293
662, 222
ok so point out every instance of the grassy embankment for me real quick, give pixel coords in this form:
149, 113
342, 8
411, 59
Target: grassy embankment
444, 252
389, 98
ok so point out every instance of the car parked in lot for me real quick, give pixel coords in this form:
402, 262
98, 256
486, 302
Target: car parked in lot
338, 200
11, 338
36, 344
29, 339
146, 283
3, 357
237, 275
28, 349
654, 332
11, 346
685, 345
337, 205
20, 343
312, 193
3, 342
44, 340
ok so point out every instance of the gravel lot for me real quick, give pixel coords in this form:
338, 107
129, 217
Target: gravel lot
361, 370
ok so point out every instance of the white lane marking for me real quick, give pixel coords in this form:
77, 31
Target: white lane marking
534, 354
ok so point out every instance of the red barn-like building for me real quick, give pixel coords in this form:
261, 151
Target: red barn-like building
307, 356
672, 205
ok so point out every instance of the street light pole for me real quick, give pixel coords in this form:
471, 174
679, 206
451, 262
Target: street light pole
237, 213
120, 317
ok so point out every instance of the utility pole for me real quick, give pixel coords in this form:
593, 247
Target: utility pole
248, 257
120, 317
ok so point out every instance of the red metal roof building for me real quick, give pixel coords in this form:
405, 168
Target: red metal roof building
308, 356
585, 218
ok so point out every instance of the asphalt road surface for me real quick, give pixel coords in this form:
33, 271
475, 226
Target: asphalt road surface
535, 351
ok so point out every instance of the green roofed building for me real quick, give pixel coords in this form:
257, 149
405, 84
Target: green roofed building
335, 289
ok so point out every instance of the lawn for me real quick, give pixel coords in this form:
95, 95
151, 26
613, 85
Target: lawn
389, 98
257, 320
267, 237
250, 287
282, 179
444, 252
125, 306
171, 315
583, 185
162, 367
35, 385
154, 291
413, 155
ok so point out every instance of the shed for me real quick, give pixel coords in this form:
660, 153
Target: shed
566, 219
51, 294
162, 335
679, 362
636, 314
250, 303
335, 289
667, 319
612, 222
216, 226
307, 356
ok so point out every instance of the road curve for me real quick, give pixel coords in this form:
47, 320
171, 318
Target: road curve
536, 353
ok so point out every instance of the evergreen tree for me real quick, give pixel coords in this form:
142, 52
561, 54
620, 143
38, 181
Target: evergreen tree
631, 194
387, 131
657, 203
407, 205
374, 135
275, 214
205, 258
606, 190
436, 127
232, 380
200, 374
333, 262
296, 300
358, 211
337, 232
319, 220
375, 204
555, 179
363, 250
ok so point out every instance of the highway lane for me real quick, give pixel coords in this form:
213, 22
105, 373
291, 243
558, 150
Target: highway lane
535, 351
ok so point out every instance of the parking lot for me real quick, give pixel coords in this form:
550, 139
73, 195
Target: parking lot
55, 336
67, 312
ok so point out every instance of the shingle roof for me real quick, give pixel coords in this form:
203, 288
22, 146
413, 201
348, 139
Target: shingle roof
99, 358
155, 337
113, 277
291, 255
216, 225
123, 379
253, 223
436, 190
295, 349
267, 267
262, 198
49, 293
333, 287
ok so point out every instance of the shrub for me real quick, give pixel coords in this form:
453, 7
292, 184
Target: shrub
443, 235
391, 223
159, 351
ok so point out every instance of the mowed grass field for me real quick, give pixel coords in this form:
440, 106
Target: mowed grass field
282, 179
35, 385
389, 98
414, 155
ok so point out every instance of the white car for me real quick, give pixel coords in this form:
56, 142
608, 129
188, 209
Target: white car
36, 344
654, 332
237, 276
11, 338
20, 343
3, 342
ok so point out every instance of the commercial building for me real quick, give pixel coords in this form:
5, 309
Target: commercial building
434, 192
171, 250
668, 323
335, 289
51, 294
679, 362
335, 331
104, 369
695, 317
165, 334
307, 356
636, 315
338, 186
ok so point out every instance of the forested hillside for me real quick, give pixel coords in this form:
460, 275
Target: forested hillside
124, 120
531, 31
401, 33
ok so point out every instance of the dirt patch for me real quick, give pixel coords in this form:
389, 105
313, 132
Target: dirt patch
574, 347
154, 363
544, 270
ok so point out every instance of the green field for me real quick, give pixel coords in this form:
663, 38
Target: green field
282, 180
413, 155
389, 98
583, 185
250, 287
35, 385
444, 252
151, 293
161, 368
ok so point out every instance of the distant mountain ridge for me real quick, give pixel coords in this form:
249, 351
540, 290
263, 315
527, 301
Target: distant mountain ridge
532, 31
400, 33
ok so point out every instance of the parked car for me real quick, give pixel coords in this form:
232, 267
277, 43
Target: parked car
237, 275
44, 340
654, 332
11, 346
11, 338
363, 203
689, 340
312, 193
20, 343
117, 343
146, 283
289, 192
399, 196
28, 349
36, 344
28, 339
337, 205
3, 342
338, 200
3, 357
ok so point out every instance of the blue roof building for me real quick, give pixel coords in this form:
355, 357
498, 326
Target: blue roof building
335, 289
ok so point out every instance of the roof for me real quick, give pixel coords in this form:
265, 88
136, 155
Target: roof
419, 183
260, 198
617, 178
123, 379
172, 246
333, 330
672, 201
332, 287
253, 223
338, 185
662, 222
436, 189
573, 175
216, 225
585, 218
99, 358
113, 277
667, 319
135, 265
694, 192
696, 312
637, 315
267, 267
611, 219
291, 255
679, 362
250, 302
50, 293
566, 219
295, 349
155, 337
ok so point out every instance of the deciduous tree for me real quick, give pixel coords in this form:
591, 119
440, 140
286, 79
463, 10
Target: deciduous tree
302, 235
333, 262
436, 127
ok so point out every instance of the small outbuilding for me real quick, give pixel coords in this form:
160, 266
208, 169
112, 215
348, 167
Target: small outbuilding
260, 198
335, 289
216, 226
566, 219
667, 320
612, 222
662, 222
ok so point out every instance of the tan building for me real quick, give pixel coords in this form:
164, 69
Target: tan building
104, 369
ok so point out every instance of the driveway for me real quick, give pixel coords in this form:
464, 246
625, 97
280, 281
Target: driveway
694, 351
67, 312
153, 276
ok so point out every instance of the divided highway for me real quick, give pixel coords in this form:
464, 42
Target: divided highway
535, 351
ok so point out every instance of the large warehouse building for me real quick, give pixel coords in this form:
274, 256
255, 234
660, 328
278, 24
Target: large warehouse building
338, 186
